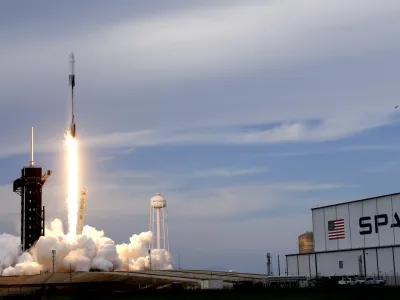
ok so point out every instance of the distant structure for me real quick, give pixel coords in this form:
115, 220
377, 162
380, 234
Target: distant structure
81, 211
29, 187
268, 263
159, 221
306, 242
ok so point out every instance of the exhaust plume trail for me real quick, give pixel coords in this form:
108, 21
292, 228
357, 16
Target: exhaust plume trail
72, 161
72, 175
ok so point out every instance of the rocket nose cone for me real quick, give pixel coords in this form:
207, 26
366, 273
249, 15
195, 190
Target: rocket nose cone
71, 57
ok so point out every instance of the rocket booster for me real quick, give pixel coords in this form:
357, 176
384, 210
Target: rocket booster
72, 128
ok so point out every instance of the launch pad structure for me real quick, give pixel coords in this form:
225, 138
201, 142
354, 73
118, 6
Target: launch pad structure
29, 187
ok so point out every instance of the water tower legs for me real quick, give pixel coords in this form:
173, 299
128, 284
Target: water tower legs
159, 223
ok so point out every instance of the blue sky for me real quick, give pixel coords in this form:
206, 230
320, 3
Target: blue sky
244, 114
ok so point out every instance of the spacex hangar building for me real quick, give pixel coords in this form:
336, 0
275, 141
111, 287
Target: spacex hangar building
357, 238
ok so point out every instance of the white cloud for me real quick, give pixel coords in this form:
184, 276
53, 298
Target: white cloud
304, 186
227, 172
338, 149
194, 40
105, 158
118, 175
230, 201
200, 38
326, 130
122, 192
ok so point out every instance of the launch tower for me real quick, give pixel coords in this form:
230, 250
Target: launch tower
29, 187
159, 221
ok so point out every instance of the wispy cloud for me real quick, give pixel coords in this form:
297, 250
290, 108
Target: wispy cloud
324, 130
217, 200
337, 149
304, 186
224, 202
197, 44
202, 38
105, 158
227, 172
303, 131
129, 174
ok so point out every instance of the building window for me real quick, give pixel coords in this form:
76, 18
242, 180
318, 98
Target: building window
340, 264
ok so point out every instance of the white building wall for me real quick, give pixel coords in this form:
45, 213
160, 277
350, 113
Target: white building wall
396, 209
371, 262
386, 233
292, 265
370, 210
355, 213
313, 269
330, 214
397, 260
304, 265
319, 231
386, 263
328, 263
376, 210
342, 212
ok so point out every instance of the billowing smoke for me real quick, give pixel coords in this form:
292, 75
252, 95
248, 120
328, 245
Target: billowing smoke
89, 251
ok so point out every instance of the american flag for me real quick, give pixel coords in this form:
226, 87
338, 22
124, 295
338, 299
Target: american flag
336, 229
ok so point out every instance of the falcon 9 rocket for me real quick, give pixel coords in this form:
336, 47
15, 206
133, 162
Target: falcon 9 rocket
72, 127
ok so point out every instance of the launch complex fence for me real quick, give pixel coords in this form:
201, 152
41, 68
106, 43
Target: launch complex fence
331, 281
183, 280
114, 292
390, 279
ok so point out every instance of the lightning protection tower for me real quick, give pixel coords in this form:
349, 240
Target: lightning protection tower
29, 187
159, 222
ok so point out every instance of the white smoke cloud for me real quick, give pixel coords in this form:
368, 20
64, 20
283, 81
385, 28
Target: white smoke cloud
134, 258
89, 251
9, 250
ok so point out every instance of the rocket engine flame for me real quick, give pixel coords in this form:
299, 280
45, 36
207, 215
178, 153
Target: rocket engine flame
73, 194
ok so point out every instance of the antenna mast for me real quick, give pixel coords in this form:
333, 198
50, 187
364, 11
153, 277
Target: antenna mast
32, 162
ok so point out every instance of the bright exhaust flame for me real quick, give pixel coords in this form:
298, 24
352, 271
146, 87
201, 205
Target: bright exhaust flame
73, 194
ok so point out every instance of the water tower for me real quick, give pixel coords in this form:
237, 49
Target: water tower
159, 222
306, 242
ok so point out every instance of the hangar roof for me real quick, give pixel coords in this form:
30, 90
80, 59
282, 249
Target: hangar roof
359, 200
